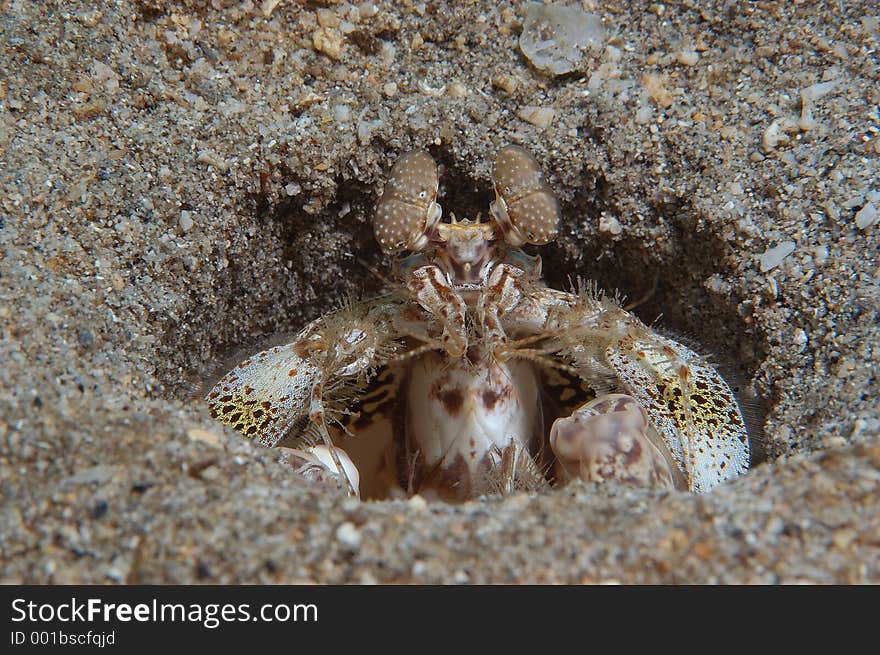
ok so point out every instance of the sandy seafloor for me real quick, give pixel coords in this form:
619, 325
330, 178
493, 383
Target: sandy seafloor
177, 182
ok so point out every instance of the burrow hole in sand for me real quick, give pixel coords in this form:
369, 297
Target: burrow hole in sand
310, 280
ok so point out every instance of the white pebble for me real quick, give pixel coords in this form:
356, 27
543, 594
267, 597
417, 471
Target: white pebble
327, 18
506, 82
185, 221
292, 189
389, 89
866, 216
268, 7
771, 137
778, 133
457, 90
688, 57
365, 130
348, 535
460, 577
367, 9
644, 114
613, 54
818, 90
103, 74
341, 113
808, 96
537, 116
609, 224
203, 436
716, 284
773, 257
211, 158
428, 90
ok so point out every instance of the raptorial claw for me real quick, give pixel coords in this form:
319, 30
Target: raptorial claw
611, 438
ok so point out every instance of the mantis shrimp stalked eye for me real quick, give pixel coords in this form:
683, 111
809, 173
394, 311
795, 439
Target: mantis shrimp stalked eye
408, 209
525, 207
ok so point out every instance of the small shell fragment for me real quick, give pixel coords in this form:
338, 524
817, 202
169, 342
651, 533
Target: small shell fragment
773, 257
203, 436
457, 90
185, 221
428, 90
538, 116
329, 41
505, 82
777, 133
657, 91
688, 57
525, 207
408, 210
609, 224
808, 96
554, 37
866, 216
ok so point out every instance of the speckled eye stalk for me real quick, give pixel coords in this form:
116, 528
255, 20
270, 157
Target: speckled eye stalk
407, 210
525, 208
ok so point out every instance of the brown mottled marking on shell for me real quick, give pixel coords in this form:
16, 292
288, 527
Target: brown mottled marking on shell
450, 480
374, 403
531, 205
405, 207
611, 438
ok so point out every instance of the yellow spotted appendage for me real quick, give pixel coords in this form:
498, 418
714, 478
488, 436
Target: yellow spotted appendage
264, 395
269, 393
689, 403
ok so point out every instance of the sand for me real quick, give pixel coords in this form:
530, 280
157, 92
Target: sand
181, 183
